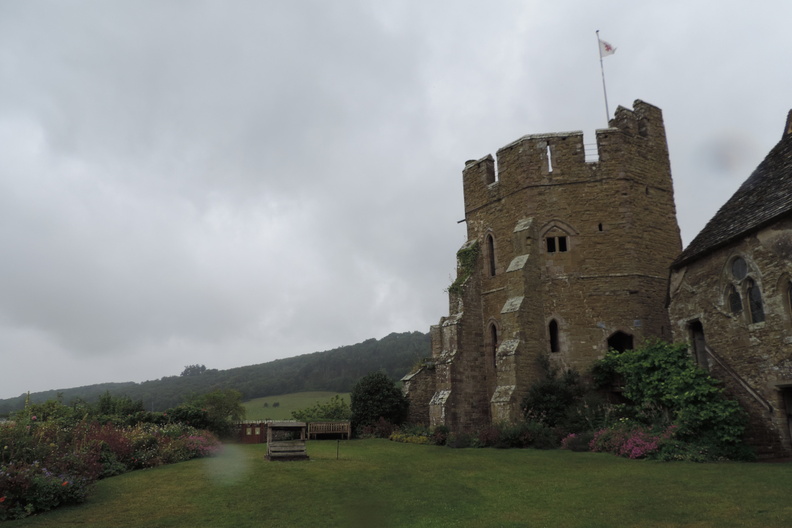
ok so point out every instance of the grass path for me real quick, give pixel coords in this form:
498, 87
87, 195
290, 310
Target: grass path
377, 483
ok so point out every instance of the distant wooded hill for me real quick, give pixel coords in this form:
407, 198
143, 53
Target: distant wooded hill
334, 370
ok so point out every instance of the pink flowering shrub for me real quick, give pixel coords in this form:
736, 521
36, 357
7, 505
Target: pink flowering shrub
630, 442
577, 441
45, 464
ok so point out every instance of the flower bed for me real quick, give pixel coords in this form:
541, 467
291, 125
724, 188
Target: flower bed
45, 464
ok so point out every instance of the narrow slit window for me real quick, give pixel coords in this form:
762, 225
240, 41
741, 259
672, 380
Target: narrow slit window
553, 328
491, 254
494, 337
549, 159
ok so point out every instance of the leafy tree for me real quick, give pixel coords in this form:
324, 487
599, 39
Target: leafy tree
223, 408
336, 408
376, 396
193, 370
109, 405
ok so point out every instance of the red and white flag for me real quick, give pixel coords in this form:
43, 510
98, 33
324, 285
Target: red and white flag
606, 49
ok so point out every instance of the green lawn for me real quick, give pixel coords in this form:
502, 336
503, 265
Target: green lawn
287, 403
377, 483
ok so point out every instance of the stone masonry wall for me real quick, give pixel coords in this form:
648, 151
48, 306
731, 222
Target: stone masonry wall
758, 353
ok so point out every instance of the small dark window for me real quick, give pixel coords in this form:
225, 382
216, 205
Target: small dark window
553, 328
739, 268
735, 301
600, 227
755, 302
557, 244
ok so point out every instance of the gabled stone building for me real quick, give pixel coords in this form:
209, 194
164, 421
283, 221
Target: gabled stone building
565, 258
731, 298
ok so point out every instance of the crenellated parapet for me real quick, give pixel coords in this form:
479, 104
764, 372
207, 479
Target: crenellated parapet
558, 158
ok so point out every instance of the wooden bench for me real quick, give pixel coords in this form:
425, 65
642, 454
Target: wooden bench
329, 428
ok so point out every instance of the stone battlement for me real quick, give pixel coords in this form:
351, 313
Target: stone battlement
560, 157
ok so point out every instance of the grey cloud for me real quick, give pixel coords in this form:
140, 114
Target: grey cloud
228, 183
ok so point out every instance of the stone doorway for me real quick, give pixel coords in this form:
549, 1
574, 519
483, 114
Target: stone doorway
699, 344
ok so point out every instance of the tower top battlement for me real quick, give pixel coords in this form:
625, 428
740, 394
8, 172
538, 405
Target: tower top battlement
560, 157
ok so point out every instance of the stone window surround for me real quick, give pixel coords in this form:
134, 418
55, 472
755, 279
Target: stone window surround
556, 237
491, 263
744, 285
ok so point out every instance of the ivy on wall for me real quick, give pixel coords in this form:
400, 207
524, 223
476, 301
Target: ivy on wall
466, 265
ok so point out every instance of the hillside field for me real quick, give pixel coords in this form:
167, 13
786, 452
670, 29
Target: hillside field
255, 410
378, 483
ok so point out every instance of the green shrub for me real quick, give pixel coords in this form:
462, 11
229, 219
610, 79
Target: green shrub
459, 440
26, 489
336, 408
549, 399
666, 388
377, 397
381, 429
440, 435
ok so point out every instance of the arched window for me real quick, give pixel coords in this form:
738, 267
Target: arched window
491, 254
554, 344
735, 301
754, 301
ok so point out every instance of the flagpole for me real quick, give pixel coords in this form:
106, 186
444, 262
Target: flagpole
602, 70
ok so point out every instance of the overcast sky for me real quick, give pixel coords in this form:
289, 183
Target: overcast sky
231, 182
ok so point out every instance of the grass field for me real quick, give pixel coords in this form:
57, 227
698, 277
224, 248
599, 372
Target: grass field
287, 403
377, 483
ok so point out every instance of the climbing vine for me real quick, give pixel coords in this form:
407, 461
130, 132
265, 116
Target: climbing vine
466, 265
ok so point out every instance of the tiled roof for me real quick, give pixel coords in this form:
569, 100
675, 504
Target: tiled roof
764, 197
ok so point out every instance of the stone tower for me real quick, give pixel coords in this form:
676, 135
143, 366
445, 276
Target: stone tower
565, 258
